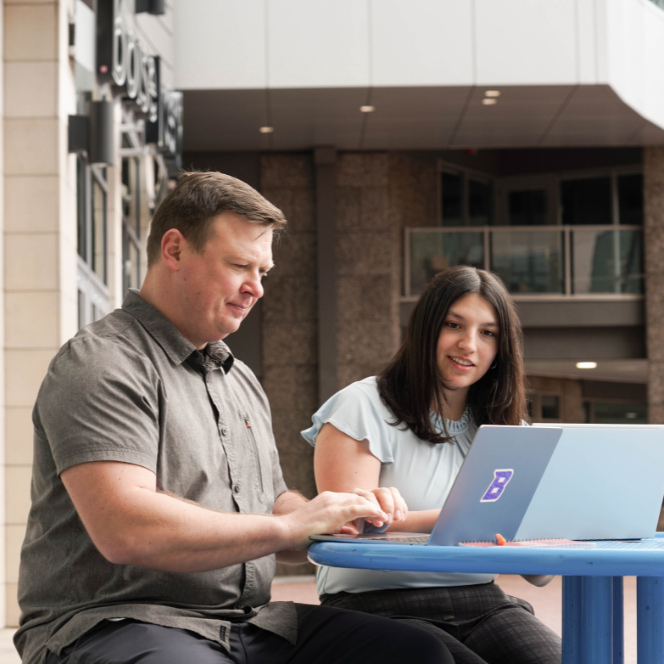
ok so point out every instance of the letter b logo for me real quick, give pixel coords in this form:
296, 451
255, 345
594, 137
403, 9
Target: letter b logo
496, 488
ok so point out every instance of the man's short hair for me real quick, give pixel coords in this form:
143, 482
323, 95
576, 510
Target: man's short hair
198, 199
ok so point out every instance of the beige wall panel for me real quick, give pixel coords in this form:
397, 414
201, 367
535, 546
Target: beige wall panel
17, 494
31, 31
24, 372
32, 319
68, 317
31, 89
68, 265
12, 611
31, 261
18, 436
31, 204
14, 535
31, 146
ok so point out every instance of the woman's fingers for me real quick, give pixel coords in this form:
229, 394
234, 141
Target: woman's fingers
390, 501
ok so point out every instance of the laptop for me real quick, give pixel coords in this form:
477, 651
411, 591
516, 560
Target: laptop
575, 482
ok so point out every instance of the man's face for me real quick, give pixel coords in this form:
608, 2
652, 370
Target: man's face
217, 287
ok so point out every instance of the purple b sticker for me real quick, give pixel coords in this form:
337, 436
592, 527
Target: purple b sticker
496, 488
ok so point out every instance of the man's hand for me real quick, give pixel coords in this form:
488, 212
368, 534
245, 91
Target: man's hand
328, 513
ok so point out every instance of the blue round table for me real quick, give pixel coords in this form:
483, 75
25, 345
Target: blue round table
592, 585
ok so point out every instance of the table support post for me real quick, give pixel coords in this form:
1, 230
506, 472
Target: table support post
618, 621
597, 620
650, 619
589, 616
572, 619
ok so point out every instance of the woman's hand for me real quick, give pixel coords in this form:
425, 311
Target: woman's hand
539, 580
389, 500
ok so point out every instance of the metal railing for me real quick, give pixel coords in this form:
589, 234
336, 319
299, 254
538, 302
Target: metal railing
537, 261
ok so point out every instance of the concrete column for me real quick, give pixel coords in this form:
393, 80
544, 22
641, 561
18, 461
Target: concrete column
653, 172
326, 265
289, 311
367, 250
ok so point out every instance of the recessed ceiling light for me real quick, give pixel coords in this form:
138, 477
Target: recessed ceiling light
492, 93
266, 130
367, 109
489, 102
586, 365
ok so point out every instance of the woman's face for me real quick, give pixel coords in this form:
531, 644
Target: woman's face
468, 342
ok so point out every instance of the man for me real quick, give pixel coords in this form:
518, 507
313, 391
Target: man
158, 501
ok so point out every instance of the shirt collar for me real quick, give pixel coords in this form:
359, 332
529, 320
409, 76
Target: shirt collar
169, 337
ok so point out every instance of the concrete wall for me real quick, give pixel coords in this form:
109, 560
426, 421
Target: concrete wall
653, 172
289, 315
569, 391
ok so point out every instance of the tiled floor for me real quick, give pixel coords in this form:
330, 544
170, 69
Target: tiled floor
546, 602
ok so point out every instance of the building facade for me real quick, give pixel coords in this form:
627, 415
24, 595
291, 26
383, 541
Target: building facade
91, 135
401, 138
398, 137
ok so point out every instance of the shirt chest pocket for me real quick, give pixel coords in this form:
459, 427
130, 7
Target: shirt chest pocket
258, 444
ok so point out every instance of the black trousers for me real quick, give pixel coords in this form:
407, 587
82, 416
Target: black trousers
479, 624
325, 636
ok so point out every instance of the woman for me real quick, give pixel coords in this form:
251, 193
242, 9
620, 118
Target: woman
409, 429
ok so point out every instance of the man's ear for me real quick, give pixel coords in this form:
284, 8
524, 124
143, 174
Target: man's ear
172, 244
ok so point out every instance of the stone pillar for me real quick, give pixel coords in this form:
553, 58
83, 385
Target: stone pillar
367, 273
39, 239
653, 175
326, 203
289, 311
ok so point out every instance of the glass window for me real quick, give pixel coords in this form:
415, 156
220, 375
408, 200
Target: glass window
618, 413
527, 208
81, 207
529, 261
98, 230
452, 199
586, 201
131, 261
607, 261
81, 309
550, 406
432, 252
131, 204
630, 199
480, 202
131, 223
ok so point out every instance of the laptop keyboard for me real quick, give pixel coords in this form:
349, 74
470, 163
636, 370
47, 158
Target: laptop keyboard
418, 539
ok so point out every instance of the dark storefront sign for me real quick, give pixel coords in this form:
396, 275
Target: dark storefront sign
123, 61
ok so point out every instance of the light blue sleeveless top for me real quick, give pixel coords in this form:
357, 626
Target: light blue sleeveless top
423, 472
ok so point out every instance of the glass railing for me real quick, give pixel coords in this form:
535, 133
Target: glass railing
538, 260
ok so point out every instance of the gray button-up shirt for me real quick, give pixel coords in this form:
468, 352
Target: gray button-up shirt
131, 388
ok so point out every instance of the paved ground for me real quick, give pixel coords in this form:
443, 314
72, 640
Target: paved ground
546, 602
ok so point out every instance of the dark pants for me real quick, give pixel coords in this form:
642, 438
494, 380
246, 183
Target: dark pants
325, 636
479, 624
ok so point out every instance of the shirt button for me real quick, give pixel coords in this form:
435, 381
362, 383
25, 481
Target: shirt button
224, 431
236, 489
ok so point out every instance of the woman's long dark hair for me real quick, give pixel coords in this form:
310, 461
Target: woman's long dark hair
411, 384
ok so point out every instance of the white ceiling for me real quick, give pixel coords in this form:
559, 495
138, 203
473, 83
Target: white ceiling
408, 118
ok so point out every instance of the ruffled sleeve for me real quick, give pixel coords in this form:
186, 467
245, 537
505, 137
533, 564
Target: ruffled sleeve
358, 412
